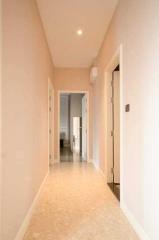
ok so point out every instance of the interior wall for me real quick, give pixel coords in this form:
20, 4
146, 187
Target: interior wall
72, 79
25, 71
135, 26
0, 119
75, 111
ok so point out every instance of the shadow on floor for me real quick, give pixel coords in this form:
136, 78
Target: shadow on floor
115, 188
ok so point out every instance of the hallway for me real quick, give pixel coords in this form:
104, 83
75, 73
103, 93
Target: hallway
82, 76
76, 203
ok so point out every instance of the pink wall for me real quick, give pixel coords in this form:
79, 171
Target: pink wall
135, 26
0, 121
72, 79
26, 68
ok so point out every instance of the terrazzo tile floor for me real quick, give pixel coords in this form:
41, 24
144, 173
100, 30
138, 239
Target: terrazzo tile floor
76, 204
66, 155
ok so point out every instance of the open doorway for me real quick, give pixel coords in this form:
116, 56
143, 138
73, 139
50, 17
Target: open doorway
113, 126
73, 127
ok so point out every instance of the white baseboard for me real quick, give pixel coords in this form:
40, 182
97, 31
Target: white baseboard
56, 161
25, 223
137, 227
51, 163
98, 169
90, 161
95, 165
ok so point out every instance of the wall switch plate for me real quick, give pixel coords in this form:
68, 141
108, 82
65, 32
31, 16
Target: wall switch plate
127, 108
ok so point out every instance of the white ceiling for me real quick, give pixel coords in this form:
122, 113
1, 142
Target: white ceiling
61, 20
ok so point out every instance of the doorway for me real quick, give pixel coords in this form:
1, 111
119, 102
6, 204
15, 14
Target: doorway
73, 126
114, 129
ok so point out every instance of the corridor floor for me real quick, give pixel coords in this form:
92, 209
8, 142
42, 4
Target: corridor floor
76, 204
66, 155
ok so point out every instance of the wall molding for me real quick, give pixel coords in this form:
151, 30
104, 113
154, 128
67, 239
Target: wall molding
55, 161
26, 221
89, 161
98, 169
132, 220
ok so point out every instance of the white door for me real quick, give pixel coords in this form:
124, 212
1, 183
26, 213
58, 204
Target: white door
84, 127
51, 122
76, 134
109, 138
116, 84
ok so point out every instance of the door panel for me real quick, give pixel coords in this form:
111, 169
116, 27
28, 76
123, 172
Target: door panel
76, 134
116, 127
110, 163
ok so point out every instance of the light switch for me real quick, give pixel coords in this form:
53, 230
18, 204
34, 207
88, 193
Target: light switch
127, 108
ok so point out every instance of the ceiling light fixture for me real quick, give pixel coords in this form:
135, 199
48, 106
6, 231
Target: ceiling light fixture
79, 32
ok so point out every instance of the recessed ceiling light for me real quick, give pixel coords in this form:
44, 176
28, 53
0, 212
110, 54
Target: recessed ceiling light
79, 32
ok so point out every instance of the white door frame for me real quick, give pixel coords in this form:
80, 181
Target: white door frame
58, 132
117, 59
50, 87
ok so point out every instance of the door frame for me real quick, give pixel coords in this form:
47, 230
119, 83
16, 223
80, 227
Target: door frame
50, 87
58, 128
117, 59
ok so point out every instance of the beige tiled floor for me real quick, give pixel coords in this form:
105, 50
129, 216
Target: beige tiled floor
76, 204
67, 156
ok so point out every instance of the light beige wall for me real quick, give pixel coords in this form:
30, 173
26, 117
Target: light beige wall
72, 79
135, 25
0, 120
26, 68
